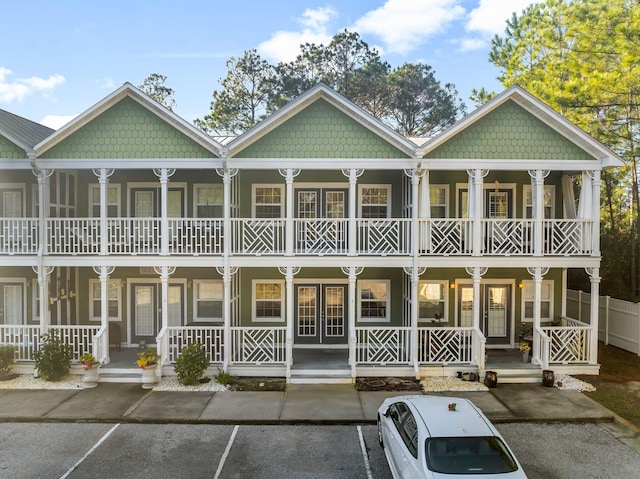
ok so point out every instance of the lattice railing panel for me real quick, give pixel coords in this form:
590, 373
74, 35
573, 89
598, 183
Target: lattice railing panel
390, 236
568, 344
567, 237
383, 346
18, 235
253, 236
26, 339
445, 237
325, 236
508, 237
445, 345
211, 337
79, 337
258, 345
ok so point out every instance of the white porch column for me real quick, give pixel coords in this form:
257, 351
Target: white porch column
594, 277
43, 273
476, 274
537, 273
164, 272
104, 272
352, 272
226, 274
103, 175
289, 272
164, 174
353, 174
595, 212
537, 196
475, 210
415, 274
289, 174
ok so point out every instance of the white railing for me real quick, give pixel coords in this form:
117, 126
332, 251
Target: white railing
193, 236
445, 345
258, 236
445, 237
26, 339
133, 235
568, 344
211, 337
507, 237
384, 236
80, 337
18, 235
383, 345
100, 344
258, 345
567, 237
72, 236
321, 236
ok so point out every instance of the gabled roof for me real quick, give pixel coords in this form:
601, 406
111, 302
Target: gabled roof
542, 112
322, 91
22, 132
129, 91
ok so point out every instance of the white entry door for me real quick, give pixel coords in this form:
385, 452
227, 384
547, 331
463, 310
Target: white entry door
146, 310
495, 311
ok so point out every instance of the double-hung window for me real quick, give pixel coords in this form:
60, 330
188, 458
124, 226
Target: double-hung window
375, 201
374, 300
208, 300
432, 299
549, 195
113, 200
546, 301
268, 201
209, 201
438, 195
268, 301
113, 300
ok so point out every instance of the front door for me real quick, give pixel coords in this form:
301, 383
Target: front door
320, 314
146, 310
495, 311
12, 303
318, 204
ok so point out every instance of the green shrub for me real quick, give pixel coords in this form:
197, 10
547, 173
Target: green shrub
7, 358
53, 358
191, 364
225, 378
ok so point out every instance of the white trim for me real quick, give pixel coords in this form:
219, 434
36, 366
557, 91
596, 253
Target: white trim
254, 301
379, 319
197, 319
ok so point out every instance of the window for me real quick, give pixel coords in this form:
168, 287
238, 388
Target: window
209, 200
375, 201
405, 423
268, 201
268, 301
438, 195
546, 301
113, 201
374, 300
12, 200
35, 287
549, 195
113, 300
208, 296
432, 298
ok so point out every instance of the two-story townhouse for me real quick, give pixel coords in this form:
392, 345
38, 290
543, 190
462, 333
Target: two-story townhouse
319, 245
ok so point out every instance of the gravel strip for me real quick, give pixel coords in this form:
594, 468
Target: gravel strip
171, 384
27, 381
564, 381
436, 384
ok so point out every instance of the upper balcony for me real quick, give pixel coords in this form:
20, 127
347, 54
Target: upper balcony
310, 237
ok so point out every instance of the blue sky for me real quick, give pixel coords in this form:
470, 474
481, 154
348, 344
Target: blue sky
57, 59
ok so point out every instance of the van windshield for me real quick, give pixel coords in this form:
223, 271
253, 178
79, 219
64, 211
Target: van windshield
469, 455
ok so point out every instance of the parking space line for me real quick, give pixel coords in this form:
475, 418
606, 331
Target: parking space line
363, 448
226, 452
102, 439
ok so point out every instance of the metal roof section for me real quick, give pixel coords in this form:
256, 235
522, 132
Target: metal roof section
322, 91
22, 132
130, 91
542, 112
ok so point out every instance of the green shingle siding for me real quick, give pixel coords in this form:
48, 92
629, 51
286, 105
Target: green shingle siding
509, 132
127, 130
10, 150
321, 131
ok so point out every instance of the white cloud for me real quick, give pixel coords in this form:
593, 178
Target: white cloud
471, 44
20, 88
56, 121
284, 46
490, 16
403, 25
105, 83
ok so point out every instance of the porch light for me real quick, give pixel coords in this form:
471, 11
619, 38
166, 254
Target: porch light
452, 284
520, 284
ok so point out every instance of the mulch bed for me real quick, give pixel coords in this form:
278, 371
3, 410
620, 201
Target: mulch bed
388, 384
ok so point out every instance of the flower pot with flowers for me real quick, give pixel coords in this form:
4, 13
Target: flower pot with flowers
525, 349
91, 366
148, 361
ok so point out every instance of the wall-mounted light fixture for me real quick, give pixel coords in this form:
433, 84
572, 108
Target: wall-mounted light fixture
520, 284
452, 284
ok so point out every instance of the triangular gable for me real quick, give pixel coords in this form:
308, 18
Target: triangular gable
128, 124
321, 124
8, 149
515, 125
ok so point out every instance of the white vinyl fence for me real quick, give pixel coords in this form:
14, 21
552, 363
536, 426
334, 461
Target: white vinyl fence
619, 321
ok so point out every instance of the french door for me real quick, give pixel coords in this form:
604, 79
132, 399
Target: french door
146, 310
318, 204
495, 311
320, 314
12, 303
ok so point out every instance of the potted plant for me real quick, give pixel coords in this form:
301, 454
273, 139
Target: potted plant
525, 349
148, 362
91, 365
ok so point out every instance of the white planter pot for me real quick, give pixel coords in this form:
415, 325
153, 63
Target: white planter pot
525, 356
91, 376
149, 376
